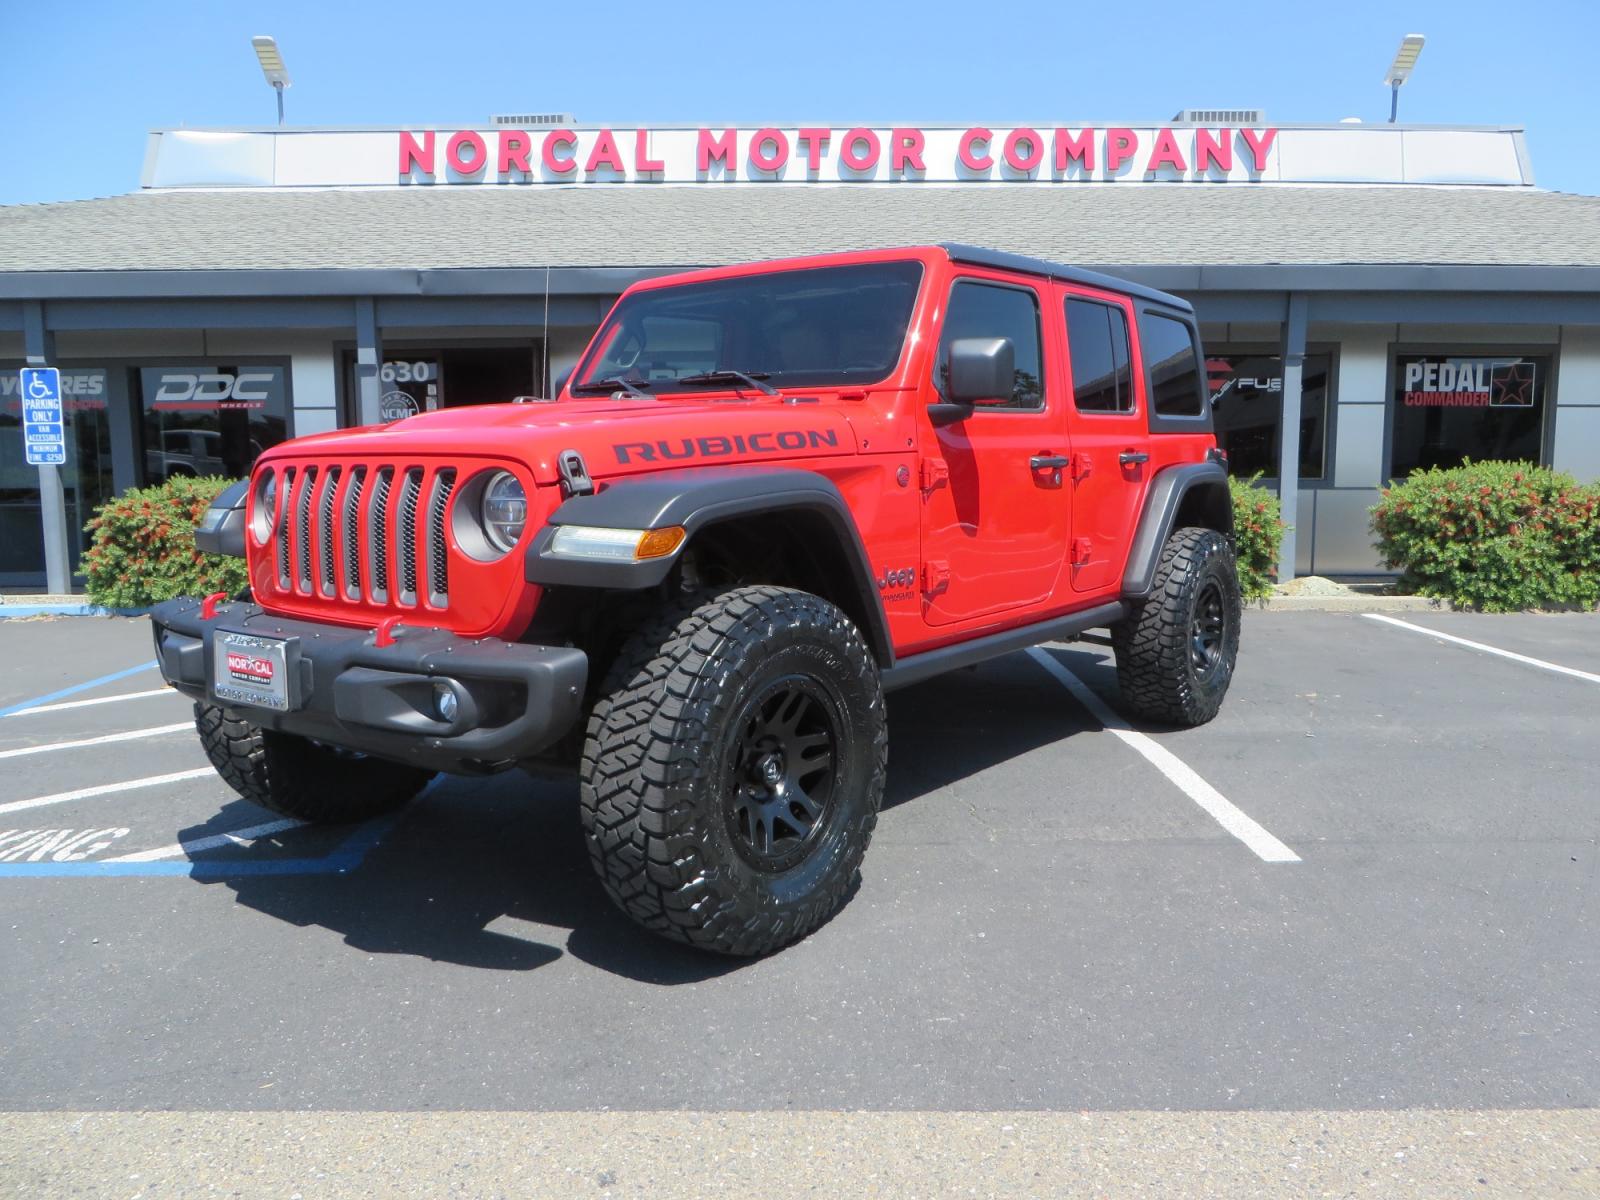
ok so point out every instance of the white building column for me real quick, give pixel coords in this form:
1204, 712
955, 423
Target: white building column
1360, 403
1576, 444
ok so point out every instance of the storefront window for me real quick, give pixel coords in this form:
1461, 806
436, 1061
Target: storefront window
206, 419
1247, 407
85, 477
1449, 408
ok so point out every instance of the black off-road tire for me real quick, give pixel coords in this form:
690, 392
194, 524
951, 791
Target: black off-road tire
298, 778
1176, 652
680, 779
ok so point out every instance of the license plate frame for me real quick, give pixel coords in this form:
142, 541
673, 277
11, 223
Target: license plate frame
256, 671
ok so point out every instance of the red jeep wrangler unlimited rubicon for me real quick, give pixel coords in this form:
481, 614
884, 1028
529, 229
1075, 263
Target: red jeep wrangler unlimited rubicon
767, 495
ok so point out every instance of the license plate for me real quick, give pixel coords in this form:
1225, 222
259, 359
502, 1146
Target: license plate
246, 669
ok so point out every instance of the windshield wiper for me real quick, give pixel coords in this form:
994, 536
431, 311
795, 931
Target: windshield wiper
634, 387
728, 375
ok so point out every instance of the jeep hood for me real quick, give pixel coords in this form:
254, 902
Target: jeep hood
615, 437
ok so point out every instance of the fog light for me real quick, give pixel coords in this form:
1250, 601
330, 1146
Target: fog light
445, 701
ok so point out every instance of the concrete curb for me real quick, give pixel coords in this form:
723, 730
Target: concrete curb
16, 609
1355, 603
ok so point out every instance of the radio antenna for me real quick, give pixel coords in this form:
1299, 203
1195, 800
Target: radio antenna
544, 353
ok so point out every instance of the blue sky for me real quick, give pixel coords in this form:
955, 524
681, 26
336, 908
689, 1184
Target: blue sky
84, 80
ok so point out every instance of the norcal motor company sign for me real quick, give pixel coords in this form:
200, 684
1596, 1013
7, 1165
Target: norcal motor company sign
1048, 155
802, 154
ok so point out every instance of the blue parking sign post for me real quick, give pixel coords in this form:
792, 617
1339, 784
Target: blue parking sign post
44, 440
44, 429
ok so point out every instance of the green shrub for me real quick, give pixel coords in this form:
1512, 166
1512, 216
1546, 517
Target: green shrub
143, 547
1258, 530
1496, 536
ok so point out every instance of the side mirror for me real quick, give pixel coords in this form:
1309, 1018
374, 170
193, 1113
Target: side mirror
982, 371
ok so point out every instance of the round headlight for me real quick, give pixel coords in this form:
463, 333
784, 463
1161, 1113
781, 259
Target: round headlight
263, 520
505, 510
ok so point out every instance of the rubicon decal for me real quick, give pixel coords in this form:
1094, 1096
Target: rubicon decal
726, 446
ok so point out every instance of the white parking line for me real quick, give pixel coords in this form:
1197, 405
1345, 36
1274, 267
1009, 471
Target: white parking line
45, 708
1461, 641
1222, 810
104, 789
239, 837
131, 735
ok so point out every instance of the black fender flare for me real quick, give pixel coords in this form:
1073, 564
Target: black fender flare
696, 499
1207, 483
221, 530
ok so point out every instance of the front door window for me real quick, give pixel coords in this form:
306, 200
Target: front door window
995, 535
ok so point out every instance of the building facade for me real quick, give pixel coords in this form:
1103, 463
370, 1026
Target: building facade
1394, 297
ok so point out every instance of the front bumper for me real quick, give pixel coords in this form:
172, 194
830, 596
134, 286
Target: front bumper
514, 699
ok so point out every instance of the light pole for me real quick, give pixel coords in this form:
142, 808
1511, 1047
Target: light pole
1405, 59
272, 67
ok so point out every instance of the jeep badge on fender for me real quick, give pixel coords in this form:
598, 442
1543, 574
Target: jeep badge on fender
662, 579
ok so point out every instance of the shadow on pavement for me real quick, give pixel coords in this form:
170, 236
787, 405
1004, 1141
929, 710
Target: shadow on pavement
959, 725
472, 852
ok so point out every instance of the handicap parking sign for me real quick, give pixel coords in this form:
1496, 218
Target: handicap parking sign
44, 430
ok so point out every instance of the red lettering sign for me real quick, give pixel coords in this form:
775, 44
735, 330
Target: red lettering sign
853, 156
413, 155
605, 154
721, 149
1166, 154
1018, 159
813, 141
971, 157
1078, 149
1209, 149
1120, 147
1259, 145
547, 153
857, 153
764, 159
464, 164
515, 147
905, 150
642, 162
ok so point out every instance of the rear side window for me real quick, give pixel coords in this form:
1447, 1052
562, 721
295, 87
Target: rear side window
985, 310
1097, 339
1174, 367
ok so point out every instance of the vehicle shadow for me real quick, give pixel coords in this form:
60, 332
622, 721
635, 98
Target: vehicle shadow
958, 725
486, 873
494, 874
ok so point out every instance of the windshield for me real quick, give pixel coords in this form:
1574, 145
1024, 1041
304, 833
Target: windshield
806, 328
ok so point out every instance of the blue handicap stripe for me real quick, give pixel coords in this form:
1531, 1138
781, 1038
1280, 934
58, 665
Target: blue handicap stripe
75, 688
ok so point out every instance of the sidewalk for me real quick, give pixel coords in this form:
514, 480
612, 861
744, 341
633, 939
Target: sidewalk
42, 604
1314, 593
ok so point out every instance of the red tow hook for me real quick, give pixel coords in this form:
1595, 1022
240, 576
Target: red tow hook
383, 635
208, 606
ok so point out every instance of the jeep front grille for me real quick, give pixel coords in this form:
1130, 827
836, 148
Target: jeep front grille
370, 534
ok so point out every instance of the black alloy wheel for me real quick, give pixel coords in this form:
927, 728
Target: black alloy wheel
1208, 631
782, 772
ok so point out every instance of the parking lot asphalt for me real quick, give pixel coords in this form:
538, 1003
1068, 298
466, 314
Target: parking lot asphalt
1049, 920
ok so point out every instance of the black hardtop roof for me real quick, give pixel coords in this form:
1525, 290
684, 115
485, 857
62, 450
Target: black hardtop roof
979, 257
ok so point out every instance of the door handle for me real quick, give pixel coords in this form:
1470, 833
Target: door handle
1048, 462
1128, 457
